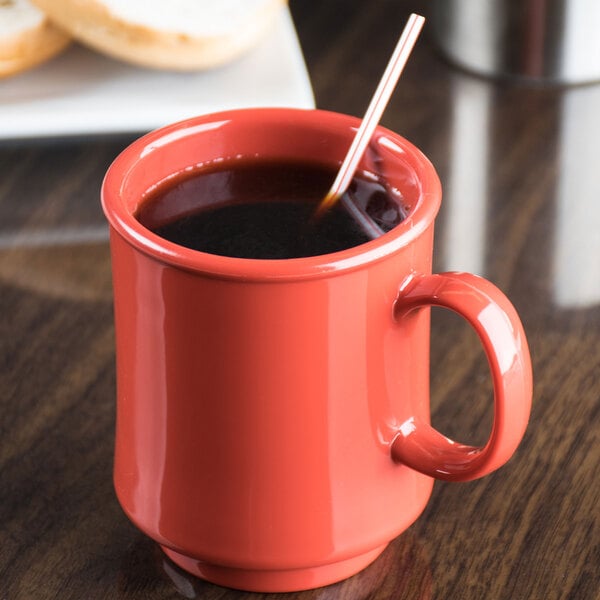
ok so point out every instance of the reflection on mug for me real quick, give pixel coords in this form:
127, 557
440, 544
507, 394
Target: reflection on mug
402, 571
465, 195
576, 264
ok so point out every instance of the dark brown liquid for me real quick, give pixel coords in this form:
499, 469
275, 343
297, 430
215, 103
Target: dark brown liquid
260, 209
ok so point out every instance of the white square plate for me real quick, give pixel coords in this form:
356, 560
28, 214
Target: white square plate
82, 92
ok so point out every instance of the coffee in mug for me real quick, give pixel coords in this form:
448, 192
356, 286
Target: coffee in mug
266, 209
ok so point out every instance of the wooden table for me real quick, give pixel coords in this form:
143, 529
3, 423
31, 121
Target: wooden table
521, 173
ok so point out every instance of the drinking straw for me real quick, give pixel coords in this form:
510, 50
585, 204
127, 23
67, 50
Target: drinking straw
372, 116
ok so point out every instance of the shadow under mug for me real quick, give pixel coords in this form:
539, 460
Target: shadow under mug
273, 429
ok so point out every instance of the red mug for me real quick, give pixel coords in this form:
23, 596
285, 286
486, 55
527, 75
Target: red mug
273, 428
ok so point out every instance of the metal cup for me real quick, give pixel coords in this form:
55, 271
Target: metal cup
549, 41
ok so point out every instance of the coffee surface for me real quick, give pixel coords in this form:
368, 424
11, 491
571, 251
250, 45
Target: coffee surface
266, 210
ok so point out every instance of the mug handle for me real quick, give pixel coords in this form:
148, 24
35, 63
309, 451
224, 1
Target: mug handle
423, 448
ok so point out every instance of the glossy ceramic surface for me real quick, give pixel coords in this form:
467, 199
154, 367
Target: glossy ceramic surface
273, 416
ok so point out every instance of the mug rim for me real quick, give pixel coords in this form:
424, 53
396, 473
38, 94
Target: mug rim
124, 223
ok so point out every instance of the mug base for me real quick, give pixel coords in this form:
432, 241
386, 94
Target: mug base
285, 580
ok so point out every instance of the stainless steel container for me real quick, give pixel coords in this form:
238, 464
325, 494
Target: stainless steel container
555, 41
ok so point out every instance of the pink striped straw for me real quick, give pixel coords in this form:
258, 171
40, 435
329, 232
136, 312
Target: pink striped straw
380, 99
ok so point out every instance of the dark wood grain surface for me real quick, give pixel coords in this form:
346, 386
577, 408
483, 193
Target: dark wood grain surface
521, 173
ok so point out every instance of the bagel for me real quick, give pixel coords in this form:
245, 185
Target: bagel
27, 38
179, 35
